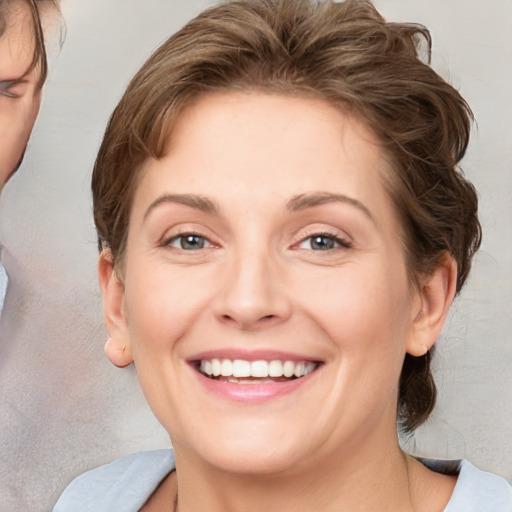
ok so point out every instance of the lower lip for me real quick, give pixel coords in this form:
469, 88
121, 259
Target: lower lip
253, 393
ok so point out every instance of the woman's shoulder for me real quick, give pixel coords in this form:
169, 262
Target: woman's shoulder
476, 490
123, 485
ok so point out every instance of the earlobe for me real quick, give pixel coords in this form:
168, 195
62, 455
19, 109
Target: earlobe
117, 347
436, 294
117, 354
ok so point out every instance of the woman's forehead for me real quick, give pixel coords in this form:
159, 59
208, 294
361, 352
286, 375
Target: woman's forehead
229, 146
17, 43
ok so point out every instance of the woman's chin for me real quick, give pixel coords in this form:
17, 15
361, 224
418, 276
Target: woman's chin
250, 453
253, 461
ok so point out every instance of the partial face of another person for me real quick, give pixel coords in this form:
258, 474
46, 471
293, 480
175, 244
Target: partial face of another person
265, 247
20, 95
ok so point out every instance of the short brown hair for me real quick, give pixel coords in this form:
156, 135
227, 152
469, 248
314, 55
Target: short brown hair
347, 54
39, 57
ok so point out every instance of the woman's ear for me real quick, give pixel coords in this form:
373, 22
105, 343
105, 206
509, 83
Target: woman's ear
436, 293
117, 347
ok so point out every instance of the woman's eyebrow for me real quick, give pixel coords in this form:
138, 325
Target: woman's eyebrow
303, 201
7, 83
193, 201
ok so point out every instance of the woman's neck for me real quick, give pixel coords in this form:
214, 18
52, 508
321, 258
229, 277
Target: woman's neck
382, 480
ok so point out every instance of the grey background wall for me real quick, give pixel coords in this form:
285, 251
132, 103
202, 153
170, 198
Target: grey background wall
63, 408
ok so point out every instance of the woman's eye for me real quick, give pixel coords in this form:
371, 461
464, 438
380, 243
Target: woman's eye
7, 94
189, 242
8, 89
322, 243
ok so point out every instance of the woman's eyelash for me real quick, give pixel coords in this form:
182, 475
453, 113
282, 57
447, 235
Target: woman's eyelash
8, 94
5, 86
324, 242
188, 241
192, 241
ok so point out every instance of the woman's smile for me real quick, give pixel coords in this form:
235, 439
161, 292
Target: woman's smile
236, 370
252, 377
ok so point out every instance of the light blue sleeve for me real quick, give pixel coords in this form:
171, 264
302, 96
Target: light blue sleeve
3, 284
121, 486
479, 491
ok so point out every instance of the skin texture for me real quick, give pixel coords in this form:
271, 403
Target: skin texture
20, 97
258, 283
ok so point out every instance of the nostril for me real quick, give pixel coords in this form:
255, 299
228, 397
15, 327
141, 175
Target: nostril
233, 318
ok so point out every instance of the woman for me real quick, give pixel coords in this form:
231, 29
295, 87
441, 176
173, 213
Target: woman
283, 228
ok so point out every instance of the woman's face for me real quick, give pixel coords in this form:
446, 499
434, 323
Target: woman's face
20, 96
262, 244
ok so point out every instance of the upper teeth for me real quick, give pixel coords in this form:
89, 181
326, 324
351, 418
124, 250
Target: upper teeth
241, 368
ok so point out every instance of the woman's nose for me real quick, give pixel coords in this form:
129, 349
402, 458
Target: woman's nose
253, 294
